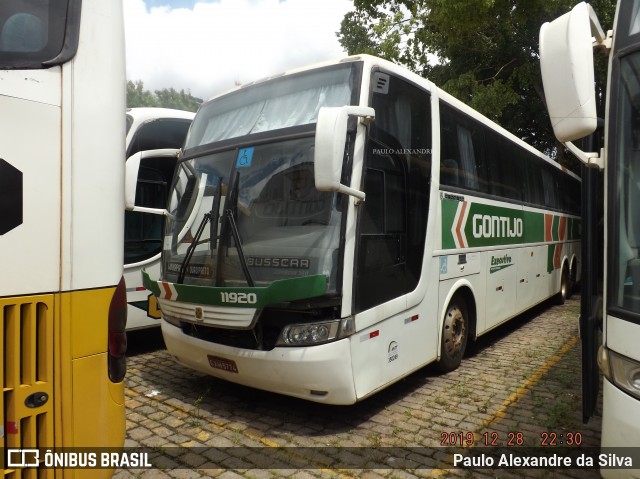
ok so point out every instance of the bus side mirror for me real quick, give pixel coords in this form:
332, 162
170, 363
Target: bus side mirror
331, 137
566, 63
132, 170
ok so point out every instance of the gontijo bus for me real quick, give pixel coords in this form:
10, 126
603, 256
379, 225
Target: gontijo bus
62, 301
567, 71
335, 228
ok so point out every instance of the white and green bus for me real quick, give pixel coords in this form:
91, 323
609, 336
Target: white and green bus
332, 229
567, 71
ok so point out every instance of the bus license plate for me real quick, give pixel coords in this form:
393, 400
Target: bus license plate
222, 363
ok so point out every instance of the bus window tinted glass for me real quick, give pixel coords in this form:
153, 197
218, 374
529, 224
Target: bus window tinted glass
625, 232
143, 231
272, 105
393, 219
31, 32
161, 133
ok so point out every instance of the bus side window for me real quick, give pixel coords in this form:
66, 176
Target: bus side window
449, 172
23, 32
549, 186
462, 159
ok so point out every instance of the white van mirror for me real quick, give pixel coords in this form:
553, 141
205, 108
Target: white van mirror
132, 170
331, 137
566, 62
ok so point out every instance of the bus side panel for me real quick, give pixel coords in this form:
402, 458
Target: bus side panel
84, 374
30, 199
534, 282
501, 273
93, 151
386, 350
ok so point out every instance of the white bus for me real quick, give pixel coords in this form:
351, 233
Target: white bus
567, 71
332, 229
149, 129
62, 296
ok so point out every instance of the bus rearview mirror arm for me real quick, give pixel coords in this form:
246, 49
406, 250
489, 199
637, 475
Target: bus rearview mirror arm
331, 137
591, 159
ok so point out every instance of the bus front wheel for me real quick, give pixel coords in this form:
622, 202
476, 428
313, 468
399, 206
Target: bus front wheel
455, 332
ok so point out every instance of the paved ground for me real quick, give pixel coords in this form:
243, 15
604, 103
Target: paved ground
519, 384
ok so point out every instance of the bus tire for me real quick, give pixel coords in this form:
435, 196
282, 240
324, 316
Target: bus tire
455, 333
565, 286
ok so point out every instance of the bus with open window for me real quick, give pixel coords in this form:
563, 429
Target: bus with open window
148, 130
62, 296
332, 229
610, 338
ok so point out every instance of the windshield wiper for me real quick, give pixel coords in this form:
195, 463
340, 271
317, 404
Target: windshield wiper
211, 217
236, 237
192, 247
230, 223
215, 213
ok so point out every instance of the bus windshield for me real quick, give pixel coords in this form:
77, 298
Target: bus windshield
280, 103
625, 236
249, 214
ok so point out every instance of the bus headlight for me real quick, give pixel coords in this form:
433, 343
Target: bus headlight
625, 373
308, 334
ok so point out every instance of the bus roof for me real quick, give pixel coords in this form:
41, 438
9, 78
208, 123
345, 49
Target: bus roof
371, 61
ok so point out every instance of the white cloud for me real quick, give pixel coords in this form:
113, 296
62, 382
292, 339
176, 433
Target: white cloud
210, 47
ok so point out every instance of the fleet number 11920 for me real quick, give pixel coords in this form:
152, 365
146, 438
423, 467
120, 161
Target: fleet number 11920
238, 298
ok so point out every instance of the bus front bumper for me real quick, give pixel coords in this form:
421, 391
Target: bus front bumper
320, 373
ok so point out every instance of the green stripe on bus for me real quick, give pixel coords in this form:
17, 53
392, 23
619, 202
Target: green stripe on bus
469, 225
449, 209
257, 297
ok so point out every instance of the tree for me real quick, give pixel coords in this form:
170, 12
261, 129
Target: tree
137, 96
484, 52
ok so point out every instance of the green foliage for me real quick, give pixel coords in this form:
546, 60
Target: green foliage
137, 96
484, 52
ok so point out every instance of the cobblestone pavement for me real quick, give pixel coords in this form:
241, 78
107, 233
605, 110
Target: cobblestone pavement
519, 383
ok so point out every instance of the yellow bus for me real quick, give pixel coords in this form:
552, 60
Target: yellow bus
62, 297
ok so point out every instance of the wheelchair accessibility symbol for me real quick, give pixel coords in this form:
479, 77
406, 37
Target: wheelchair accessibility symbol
245, 155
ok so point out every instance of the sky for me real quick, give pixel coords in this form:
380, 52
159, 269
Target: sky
207, 46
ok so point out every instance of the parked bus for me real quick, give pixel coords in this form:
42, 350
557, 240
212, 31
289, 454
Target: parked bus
332, 229
567, 70
149, 129
62, 296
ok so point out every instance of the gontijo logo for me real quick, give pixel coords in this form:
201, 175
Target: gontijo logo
488, 226
467, 224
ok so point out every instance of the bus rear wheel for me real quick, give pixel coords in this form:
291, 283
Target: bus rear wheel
455, 332
565, 287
